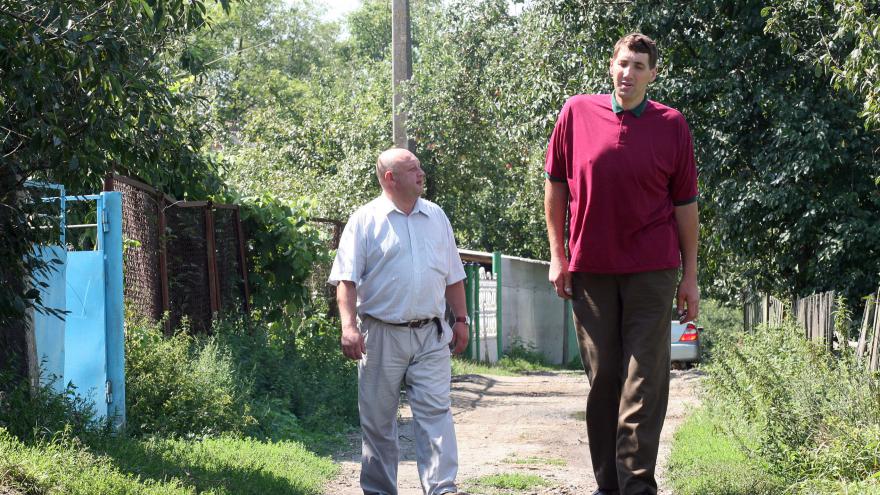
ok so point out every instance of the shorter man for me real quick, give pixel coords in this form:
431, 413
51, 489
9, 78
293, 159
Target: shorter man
396, 268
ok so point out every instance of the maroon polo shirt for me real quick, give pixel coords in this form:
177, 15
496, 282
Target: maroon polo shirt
626, 170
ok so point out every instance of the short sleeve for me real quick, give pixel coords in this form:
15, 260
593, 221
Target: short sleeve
559, 149
351, 254
683, 185
455, 271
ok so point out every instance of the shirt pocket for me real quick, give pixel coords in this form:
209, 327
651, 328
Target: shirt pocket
436, 254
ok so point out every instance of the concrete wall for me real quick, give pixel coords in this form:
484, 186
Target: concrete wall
531, 313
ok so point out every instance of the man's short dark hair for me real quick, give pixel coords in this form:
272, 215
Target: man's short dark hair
639, 43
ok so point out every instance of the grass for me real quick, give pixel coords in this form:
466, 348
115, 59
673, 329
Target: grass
547, 461
704, 461
160, 466
509, 481
469, 367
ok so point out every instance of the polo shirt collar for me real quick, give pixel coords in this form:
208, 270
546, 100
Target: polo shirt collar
386, 206
637, 111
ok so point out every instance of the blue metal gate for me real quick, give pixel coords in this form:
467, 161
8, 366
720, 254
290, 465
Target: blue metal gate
87, 348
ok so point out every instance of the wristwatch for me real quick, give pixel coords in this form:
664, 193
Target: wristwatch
463, 319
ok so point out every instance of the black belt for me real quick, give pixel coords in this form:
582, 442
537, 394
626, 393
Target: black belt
415, 324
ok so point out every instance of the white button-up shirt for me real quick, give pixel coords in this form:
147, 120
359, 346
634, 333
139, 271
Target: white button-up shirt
400, 264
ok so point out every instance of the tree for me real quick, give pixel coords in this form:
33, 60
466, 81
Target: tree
840, 36
785, 168
87, 87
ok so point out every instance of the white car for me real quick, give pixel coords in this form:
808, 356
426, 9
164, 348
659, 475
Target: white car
685, 342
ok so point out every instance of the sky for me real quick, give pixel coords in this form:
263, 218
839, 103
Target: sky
336, 9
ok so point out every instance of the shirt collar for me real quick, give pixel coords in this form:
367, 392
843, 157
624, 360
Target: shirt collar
386, 206
637, 111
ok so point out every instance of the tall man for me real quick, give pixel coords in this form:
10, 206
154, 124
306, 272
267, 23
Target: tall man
623, 168
396, 267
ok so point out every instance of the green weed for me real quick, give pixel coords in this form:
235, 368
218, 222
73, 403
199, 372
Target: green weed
511, 481
533, 461
806, 414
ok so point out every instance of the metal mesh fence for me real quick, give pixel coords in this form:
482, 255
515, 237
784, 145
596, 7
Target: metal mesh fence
226, 242
188, 279
183, 257
140, 224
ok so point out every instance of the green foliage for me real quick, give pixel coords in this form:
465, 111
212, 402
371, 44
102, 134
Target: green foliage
181, 386
41, 412
297, 377
805, 414
370, 32
268, 381
786, 170
841, 37
704, 460
87, 88
283, 249
522, 357
719, 321
224, 465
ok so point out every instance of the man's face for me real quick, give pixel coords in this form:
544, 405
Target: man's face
631, 75
409, 178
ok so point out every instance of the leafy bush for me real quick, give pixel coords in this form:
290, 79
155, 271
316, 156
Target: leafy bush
42, 412
296, 374
283, 248
807, 414
718, 320
181, 386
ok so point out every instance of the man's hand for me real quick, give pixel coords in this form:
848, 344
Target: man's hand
459, 337
560, 277
687, 301
352, 342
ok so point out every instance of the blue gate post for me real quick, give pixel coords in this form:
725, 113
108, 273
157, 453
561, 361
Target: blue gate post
112, 226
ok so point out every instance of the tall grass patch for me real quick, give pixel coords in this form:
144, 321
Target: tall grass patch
808, 416
248, 378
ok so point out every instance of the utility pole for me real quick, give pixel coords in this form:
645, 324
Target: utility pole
401, 67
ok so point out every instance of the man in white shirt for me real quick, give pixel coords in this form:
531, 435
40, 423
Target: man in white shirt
396, 268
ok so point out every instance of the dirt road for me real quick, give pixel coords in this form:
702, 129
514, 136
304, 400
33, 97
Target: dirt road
524, 424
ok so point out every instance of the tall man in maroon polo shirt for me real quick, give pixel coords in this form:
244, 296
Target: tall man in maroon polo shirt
623, 167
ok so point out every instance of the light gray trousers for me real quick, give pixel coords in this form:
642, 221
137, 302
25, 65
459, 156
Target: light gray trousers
420, 360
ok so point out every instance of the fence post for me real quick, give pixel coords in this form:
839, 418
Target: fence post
765, 307
866, 327
478, 311
163, 261
496, 269
469, 303
213, 283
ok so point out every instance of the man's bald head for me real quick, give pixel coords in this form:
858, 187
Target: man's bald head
391, 159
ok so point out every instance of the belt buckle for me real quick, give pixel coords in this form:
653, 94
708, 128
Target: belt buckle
415, 323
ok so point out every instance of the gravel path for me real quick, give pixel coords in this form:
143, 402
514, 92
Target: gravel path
527, 424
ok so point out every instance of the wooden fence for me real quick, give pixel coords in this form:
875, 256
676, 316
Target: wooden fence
763, 309
816, 315
868, 346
